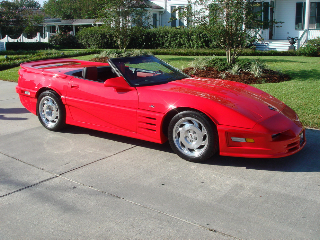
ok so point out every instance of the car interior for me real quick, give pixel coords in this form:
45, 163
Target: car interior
97, 74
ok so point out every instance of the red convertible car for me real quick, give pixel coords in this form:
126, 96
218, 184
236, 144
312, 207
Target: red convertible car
145, 98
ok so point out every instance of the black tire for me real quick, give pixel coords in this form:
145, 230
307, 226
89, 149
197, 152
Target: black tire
51, 111
193, 136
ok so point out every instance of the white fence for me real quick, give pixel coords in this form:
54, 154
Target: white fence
22, 38
307, 35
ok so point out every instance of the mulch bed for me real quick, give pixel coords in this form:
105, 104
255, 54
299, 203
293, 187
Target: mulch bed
268, 76
100, 59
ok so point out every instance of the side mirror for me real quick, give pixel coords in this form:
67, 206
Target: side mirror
117, 83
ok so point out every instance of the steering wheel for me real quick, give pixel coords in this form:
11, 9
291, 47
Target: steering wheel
157, 72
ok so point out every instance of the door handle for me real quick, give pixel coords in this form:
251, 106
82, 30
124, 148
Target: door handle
74, 86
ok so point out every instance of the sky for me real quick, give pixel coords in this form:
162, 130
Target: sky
41, 2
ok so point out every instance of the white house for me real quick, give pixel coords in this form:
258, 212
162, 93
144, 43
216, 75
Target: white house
300, 18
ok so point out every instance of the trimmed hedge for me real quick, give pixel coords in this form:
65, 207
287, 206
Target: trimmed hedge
96, 37
168, 38
15, 46
162, 37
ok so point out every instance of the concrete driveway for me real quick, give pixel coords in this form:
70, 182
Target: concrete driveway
84, 184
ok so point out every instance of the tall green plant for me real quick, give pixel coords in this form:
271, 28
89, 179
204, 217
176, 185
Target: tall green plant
232, 23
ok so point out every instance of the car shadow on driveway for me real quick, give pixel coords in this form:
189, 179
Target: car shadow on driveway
6, 111
307, 160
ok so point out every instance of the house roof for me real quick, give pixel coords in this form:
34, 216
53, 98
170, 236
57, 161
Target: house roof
153, 5
58, 21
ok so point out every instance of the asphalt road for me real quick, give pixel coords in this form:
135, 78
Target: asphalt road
85, 184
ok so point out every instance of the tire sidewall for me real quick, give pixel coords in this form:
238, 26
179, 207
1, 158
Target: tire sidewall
62, 113
211, 147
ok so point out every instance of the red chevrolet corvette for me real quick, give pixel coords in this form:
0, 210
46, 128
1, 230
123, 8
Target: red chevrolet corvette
145, 98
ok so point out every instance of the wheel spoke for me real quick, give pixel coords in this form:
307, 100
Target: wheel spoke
49, 111
190, 136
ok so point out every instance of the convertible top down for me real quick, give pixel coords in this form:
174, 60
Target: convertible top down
145, 98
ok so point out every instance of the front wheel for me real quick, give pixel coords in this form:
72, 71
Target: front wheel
51, 111
192, 136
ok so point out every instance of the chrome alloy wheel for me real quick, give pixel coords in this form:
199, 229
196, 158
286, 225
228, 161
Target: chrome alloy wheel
49, 111
190, 137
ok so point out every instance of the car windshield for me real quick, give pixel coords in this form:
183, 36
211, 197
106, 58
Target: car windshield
146, 70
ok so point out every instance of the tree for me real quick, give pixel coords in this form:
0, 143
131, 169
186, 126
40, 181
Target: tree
28, 4
124, 18
232, 23
11, 19
18, 17
33, 21
73, 9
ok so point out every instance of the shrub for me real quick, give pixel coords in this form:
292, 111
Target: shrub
96, 37
256, 67
311, 49
64, 40
200, 63
219, 64
235, 70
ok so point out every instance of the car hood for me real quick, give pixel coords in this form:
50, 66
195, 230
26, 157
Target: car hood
246, 100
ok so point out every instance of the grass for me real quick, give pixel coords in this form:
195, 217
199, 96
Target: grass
10, 74
302, 93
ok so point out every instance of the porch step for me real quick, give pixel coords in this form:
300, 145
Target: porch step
276, 45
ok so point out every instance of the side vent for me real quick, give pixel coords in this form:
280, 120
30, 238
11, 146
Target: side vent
147, 123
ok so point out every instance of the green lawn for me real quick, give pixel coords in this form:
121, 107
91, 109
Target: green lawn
302, 93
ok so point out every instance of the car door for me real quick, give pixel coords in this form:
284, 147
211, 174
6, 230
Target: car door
91, 102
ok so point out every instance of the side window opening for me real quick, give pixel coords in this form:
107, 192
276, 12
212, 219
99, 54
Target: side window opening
97, 74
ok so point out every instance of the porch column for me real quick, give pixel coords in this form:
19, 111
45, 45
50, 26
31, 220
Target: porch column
307, 17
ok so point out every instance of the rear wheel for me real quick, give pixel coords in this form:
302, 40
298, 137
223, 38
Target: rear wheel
192, 136
51, 111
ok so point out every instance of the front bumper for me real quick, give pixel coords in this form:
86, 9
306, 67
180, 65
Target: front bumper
265, 145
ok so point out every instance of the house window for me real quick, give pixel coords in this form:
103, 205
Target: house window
173, 16
256, 11
300, 6
52, 29
265, 15
314, 22
155, 20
